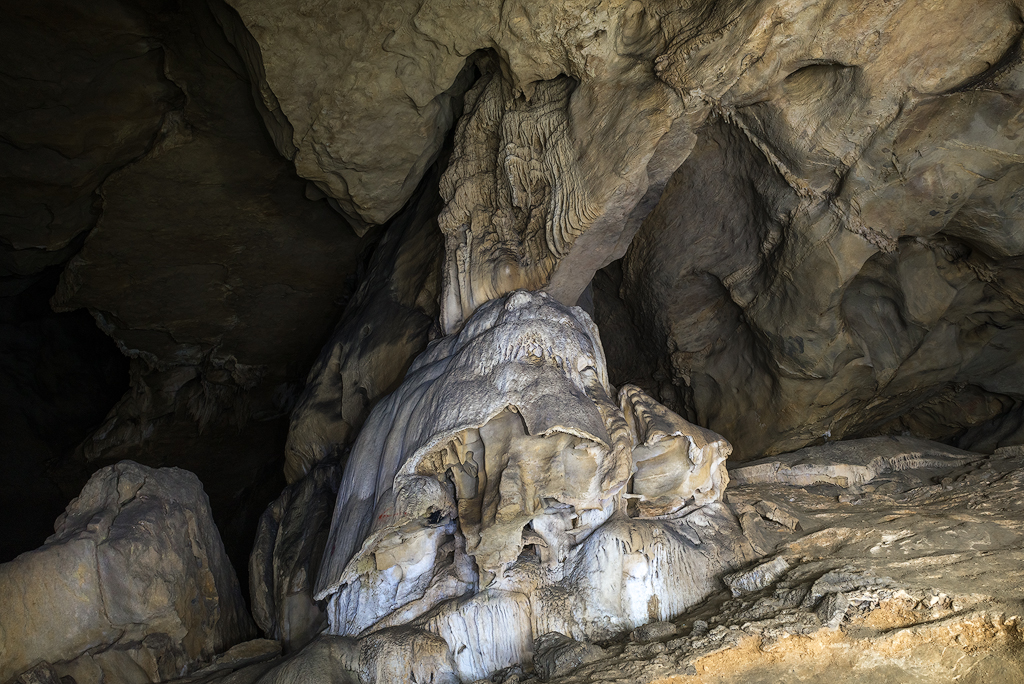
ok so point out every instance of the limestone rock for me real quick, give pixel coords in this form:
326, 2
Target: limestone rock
211, 269
42, 673
832, 198
74, 111
530, 201
918, 580
850, 463
556, 655
485, 500
133, 586
386, 324
854, 244
234, 280
326, 660
286, 556
653, 631
675, 460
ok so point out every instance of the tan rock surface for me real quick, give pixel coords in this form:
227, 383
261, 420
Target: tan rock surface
845, 215
915, 579
837, 255
134, 584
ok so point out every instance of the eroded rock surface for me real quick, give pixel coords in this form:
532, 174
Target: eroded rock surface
386, 325
915, 578
492, 498
133, 586
286, 556
839, 202
83, 95
837, 255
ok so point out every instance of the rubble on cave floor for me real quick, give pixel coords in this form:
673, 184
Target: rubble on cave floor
914, 576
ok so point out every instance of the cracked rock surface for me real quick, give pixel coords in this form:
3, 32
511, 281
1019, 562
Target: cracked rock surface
913, 577
134, 585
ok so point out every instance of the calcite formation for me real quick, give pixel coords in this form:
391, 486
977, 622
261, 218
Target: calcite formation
822, 195
501, 493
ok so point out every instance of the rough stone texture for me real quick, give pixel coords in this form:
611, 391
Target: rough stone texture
208, 265
569, 128
849, 463
492, 498
286, 556
133, 586
386, 324
838, 254
83, 94
837, 237
555, 655
917, 580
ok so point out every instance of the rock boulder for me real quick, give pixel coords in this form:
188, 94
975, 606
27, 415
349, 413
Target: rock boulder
133, 586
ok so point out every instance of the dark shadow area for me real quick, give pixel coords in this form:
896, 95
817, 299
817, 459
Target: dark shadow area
59, 376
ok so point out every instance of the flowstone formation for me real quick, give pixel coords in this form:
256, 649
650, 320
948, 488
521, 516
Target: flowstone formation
817, 202
501, 494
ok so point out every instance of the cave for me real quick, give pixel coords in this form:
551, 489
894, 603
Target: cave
417, 341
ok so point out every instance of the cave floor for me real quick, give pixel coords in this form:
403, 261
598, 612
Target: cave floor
917, 576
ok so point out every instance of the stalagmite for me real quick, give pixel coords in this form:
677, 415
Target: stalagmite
501, 494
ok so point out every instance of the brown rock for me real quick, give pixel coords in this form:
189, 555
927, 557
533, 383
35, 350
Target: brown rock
135, 576
286, 556
77, 105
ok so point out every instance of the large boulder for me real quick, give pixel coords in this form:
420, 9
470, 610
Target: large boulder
134, 586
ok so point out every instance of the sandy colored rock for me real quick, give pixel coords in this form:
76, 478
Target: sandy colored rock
135, 575
834, 187
917, 581
855, 178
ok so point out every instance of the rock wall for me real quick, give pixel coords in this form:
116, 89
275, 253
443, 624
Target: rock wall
837, 256
840, 210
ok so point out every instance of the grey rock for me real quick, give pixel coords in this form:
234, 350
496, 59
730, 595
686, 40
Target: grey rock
773, 511
653, 631
833, 609
289, 545
850, 463
758, 577
43, 673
